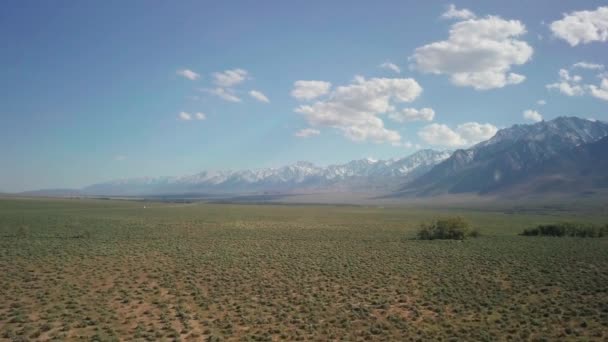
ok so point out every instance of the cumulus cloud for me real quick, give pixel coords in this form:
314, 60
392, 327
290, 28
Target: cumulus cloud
189, 74
223, 93
589, 66
441, 135
567, 84
565, 75
229, 78
479, 53
474, 132
353, 109
532, 115
541, 102
309, 90
200, 116
184, 116
391, 66
572, 85
258, 95
453, 13
464, 135
307, 132
412, 114
582, 27
600, 92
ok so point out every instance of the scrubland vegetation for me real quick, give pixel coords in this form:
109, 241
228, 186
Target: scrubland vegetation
110, 270
568, 229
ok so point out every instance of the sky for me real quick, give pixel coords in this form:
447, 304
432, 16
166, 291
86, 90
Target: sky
92, 91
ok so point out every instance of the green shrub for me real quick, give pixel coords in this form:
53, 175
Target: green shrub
567, 229
452, 228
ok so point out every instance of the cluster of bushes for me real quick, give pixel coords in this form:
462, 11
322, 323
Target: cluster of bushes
452, 228
567, 229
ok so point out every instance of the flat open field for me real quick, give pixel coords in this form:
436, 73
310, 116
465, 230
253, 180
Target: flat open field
105, 270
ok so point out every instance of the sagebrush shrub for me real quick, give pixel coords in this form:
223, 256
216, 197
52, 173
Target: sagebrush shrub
452, 228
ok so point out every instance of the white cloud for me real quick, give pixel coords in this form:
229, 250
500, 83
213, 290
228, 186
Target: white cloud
600, 92
223, 93
541, 102
453, 13
412, 114
307, 132
572, 85
189, 74
308, 90
258, 95
568, 85
479, 53
532, 115
567, 88
184, 116
565, 75
354, 109
391, 66
474, 132
408, 144
587, 65
465, 134
229, 78
441, 135
582, 27
514, 78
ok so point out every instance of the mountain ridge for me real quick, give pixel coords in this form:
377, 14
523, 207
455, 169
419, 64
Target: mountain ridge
582, 169
549, 156
505, 159
363, 174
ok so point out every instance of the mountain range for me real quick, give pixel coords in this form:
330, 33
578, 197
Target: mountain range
565, 155
535, 158
365, 175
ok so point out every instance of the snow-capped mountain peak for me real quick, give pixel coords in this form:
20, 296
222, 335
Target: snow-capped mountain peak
354, 175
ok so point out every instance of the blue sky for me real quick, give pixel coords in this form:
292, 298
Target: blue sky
92, 91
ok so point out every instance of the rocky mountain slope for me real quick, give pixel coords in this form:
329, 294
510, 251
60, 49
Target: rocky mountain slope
511, 158
579, 170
